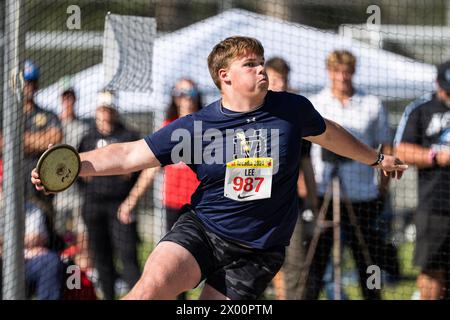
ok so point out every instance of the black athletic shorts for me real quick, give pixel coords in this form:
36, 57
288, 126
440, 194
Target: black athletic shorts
236, 271
432, 250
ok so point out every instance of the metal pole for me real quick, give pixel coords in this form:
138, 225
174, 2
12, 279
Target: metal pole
13, 260
2, 32
337, 238
225, 5
448, 12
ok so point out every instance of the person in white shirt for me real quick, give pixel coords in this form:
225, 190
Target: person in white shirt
366, 118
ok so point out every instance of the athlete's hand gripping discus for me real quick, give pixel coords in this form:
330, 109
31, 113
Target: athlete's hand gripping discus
58, 168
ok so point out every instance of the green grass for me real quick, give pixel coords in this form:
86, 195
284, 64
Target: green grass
405, 288
144, 250
402, 290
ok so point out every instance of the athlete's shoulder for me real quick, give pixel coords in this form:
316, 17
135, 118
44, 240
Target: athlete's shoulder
287, 98
208, 111
280, 95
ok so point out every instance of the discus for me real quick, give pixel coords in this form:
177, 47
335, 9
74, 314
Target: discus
58, 167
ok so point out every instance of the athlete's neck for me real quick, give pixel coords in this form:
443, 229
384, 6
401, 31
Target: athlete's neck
240, 104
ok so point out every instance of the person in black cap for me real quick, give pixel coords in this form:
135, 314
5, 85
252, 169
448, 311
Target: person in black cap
42, 127
423, 139
43, 270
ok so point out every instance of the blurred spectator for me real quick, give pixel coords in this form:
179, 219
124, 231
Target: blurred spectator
1, 228
277, 70
365, 117
42, 128
180, 181
286, 282
109, 237
43, 268
423, 138
68, 220
1, 177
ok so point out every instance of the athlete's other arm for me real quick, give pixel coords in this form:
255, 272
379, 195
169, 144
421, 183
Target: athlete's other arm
340, 141
114, 159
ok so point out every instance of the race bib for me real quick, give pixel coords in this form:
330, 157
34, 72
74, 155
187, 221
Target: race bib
248, 179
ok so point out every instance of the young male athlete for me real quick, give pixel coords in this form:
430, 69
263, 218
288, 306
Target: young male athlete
245, 151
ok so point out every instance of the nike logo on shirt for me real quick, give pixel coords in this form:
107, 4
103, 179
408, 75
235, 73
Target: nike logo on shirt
240, 196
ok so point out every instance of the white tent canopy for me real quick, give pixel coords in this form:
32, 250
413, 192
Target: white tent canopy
184, 53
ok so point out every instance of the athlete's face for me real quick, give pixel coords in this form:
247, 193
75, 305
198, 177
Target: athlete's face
247, 75
341, 77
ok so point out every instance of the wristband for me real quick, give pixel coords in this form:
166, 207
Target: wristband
379, 160
432, 157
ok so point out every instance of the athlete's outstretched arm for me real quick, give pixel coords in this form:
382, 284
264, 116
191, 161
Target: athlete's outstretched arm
340, 141
117, 159
114, 159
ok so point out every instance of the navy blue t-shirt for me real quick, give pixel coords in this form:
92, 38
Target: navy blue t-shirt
206, 141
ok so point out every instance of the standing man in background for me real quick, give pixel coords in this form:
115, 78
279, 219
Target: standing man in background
365, 117
43, 269
41, 128
69, 223
109, 237
423, 138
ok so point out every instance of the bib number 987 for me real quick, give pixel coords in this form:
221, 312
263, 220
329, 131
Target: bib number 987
247, 184
248, 179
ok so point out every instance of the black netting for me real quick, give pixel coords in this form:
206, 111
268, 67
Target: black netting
94, 73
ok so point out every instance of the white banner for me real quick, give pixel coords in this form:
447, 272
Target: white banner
128, 52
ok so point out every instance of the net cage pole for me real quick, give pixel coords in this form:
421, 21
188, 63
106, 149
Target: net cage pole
13, 259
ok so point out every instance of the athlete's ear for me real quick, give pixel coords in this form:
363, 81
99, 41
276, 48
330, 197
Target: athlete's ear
224, 75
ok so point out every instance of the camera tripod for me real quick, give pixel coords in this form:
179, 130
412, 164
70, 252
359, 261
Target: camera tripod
334, 193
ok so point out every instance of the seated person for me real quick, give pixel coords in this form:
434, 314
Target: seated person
43, 268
